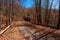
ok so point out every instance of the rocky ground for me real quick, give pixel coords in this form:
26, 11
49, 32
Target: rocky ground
22, 30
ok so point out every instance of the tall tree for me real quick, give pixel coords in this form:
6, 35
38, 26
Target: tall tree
59, 17
6, 13
38, 11
12, 8
0, 13
9, 16
48, 11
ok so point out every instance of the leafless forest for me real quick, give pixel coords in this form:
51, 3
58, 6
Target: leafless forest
40, 22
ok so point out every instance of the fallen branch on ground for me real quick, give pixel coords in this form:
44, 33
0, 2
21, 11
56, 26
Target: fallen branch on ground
13, 23
5, 29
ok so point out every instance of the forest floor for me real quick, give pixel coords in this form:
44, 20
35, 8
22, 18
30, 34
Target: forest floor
22, 30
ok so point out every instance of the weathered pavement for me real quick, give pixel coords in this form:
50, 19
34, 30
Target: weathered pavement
26, 31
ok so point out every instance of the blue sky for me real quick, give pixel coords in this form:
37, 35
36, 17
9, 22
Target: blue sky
30, 3
26, 3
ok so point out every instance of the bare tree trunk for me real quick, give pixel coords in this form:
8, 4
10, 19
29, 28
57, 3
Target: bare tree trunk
0, 14
58, 26
48, 11
38, 11
12, 9
9, 12
51, 6
6, 14
46, 14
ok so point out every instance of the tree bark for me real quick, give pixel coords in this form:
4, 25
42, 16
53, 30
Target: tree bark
38, 11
